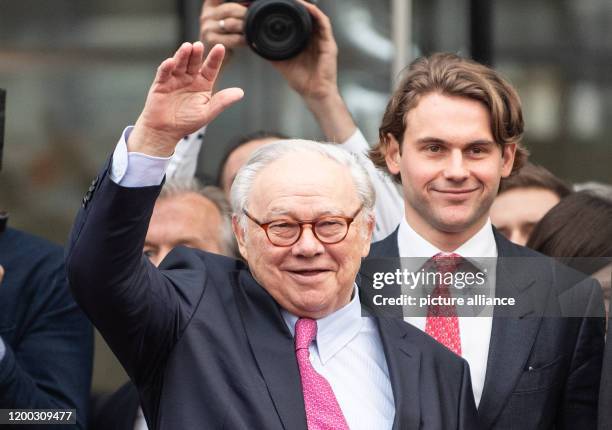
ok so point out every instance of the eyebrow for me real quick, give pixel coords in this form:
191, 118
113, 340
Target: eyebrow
284, 212
430, 139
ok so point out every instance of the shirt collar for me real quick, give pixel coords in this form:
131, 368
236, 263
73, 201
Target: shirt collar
335, 330
411, 244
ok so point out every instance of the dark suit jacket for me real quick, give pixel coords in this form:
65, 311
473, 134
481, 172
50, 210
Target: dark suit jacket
605, 398
117, 411
542, 373
207, 346
49, 342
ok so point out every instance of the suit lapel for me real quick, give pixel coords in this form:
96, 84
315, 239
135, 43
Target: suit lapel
383, 258
387, 247
272, 346
513, 332
403, 362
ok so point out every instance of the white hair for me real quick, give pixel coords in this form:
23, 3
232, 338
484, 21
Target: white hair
262, 157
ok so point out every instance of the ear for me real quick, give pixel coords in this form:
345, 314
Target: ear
392, 154
508, 154
369, 226
240, 237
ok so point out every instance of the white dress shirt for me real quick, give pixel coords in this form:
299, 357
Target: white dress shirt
475, 332
347, 350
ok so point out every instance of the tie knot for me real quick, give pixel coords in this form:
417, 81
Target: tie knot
446, 263
305, 332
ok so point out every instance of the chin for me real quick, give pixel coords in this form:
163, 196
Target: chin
313, 309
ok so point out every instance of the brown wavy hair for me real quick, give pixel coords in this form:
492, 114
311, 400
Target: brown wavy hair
452, 75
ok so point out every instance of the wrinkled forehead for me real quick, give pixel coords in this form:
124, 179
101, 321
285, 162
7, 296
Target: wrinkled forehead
304, 185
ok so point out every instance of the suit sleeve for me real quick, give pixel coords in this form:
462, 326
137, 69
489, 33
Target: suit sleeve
582, 388
49, 363
136, 308
468, 415
605, 395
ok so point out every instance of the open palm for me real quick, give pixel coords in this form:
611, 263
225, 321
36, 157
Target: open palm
181, 99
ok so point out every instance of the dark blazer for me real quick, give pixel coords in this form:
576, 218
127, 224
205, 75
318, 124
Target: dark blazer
117, 411
542, 373
207, 346
49, 341
605, 397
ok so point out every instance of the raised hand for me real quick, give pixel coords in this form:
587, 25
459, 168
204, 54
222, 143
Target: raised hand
314, 75
181, 100
313, 72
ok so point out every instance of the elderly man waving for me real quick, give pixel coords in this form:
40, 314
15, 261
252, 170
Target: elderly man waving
280, 343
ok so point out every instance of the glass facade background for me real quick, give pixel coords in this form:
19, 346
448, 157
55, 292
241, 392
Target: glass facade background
77, 72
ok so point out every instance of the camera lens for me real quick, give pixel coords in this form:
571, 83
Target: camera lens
277, 29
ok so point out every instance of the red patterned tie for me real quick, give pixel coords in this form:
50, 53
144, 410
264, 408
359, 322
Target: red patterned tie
322, 409
442, 322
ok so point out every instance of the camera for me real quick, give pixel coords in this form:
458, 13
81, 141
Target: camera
277, 29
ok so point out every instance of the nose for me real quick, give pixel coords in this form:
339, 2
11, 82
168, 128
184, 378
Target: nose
308, 245
455, 169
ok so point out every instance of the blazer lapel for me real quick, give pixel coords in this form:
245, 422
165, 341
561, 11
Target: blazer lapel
272, 346
385, 248
403, 362
513, 332
383, 258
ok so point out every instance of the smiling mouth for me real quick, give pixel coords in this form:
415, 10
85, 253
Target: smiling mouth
456, 192
309, 272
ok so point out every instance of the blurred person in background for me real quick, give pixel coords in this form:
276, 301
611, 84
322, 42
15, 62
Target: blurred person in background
46, 342
578, 231
188, 214
313, 75
237, 154
523, 199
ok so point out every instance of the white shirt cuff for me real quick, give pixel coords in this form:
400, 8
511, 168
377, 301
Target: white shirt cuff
135, 169
357, 143
185, 158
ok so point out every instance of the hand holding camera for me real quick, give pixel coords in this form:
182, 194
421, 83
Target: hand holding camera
275, 29
270, 28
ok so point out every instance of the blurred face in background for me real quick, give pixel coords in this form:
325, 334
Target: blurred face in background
237, 159
516, 212
188, 219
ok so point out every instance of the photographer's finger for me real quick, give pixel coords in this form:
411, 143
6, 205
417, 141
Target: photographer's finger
1, 273
224, 11
322, 21
230, 25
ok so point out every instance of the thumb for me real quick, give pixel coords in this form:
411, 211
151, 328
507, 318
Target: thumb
1, 273
222, 100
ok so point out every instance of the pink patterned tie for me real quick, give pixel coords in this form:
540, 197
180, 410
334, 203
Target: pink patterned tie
442, 322
322, 409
